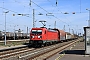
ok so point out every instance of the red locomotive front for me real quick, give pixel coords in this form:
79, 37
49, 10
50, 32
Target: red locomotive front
40, 36
36, 34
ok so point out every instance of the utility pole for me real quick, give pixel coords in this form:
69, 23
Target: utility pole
69, 30
89, 18
49, 26
30, 3
27, 32
72, 31
5, 26
56, 2
55, 25
64, 28
14, 32
33, 18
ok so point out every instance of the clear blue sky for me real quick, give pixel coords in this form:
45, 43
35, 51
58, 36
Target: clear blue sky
73, 21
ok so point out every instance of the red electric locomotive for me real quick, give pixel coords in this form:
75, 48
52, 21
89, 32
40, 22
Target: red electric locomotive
44, 36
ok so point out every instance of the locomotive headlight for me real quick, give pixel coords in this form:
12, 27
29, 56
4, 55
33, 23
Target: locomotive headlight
32, 36
39, 36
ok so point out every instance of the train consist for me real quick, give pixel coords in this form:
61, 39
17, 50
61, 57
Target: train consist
43, 36
11, 35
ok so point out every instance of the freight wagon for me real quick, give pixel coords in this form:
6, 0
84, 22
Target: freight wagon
71, 36
11, 35
1, 35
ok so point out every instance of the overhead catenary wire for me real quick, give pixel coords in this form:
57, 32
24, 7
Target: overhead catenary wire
58, 10
70, 24
27, 4
14, 12
48, 12
45, 10
11, 11
60, 13
40, 7
54, 15
32, 8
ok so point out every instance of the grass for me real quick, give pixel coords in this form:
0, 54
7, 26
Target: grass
11, 43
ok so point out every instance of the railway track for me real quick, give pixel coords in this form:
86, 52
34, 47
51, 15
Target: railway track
34, 53
51, 51
10, 53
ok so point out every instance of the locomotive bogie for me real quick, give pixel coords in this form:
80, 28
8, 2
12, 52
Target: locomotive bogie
40, 43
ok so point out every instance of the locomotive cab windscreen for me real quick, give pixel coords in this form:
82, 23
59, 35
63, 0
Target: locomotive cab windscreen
36, 31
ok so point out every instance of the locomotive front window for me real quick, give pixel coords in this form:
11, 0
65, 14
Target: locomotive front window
36, 31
